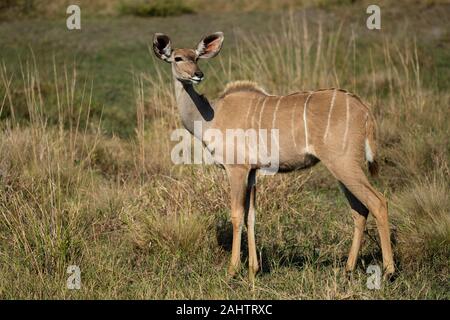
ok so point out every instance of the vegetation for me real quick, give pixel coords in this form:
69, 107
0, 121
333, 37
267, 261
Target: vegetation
86, 177
157, 8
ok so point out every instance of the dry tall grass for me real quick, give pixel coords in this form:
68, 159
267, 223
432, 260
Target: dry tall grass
13, 9
140, 227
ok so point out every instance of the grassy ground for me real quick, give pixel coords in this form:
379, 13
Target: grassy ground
86, 176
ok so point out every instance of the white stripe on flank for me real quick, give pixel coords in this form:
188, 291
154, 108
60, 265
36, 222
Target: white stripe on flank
248, 111
261, 142
252, 125
304, 121
274, 116
333, 99
292, 124
254, 105
347, 115
261, 113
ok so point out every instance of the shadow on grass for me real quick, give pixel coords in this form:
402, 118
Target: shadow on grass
272, 255
275, 255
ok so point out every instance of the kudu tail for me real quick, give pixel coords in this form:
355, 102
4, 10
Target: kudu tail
370, 146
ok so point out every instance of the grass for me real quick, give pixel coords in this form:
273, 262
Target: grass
155, 8
86, 176
13, 9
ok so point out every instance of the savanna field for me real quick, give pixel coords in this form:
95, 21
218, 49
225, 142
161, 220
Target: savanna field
86, 176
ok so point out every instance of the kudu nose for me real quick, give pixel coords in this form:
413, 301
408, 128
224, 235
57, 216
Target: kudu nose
198, 74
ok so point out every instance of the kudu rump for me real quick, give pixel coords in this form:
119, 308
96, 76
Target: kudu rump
328, 125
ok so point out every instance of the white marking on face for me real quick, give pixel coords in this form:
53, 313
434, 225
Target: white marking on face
333, 99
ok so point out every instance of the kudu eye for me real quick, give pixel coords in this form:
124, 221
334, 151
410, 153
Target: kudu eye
178, 59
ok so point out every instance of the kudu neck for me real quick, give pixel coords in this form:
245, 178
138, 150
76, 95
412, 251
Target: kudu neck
193, 106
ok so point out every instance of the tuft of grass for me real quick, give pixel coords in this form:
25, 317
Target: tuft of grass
173, 234
423, 216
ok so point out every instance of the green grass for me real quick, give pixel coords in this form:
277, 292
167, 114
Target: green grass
86, 176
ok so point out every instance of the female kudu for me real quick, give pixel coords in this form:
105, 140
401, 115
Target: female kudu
328, 125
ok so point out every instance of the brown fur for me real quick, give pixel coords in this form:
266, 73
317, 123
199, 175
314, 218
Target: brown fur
330, 125
239, 86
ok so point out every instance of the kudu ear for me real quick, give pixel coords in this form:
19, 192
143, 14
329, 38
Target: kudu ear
210, 45
162, 46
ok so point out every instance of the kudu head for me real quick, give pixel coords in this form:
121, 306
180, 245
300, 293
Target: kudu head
184, 61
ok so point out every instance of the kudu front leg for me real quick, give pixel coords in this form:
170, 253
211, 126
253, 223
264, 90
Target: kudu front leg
250, 208
238, 182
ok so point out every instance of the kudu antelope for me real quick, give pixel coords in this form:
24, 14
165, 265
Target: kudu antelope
328, 125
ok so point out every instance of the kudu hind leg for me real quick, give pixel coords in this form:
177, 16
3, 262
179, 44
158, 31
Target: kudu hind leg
250, 208
359, 214
355, 180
